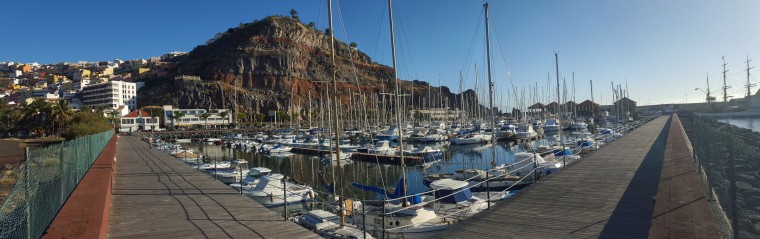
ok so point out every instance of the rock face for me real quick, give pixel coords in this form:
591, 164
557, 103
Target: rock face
277, 63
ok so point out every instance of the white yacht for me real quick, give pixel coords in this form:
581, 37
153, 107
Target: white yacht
472, 138
237, 173
551, 126
269, 191
327, 225
382, 147
526, 131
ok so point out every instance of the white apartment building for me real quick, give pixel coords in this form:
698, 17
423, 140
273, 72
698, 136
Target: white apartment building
110, 94
192, 117
79, 85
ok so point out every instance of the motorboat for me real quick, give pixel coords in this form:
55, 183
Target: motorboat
552, 126
269, 191
215, 165
471, 138
236, 173
327, 225
329, 159
381, 147
525, 131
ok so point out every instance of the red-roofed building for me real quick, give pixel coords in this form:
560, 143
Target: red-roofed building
138, 120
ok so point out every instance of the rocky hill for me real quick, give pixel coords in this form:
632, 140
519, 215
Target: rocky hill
269, 62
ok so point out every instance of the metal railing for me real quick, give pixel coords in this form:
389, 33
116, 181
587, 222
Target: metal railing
729, 163
47, 178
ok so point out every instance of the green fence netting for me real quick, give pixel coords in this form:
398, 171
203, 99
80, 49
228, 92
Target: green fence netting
730, 159
47, 178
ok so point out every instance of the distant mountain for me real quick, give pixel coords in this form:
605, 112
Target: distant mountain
274, 59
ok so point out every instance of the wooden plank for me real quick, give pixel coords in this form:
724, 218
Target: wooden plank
157, 196
577, 202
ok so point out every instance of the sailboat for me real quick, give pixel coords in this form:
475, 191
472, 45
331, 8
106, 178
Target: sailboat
325, 223
452, 200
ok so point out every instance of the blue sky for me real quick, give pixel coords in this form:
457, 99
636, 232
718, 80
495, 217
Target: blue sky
663, 48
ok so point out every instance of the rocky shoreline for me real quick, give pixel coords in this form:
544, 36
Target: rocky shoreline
730, 156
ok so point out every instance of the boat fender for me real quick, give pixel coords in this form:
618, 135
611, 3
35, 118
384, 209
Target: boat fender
271, 198
311, 194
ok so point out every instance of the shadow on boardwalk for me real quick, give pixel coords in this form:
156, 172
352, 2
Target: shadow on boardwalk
633, 215
155, 195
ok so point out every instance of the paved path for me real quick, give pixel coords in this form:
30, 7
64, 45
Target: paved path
157, 196
608, 194
681, 210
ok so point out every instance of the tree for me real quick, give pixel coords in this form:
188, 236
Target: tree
178, 116
86, 123
101, 110
240, 116
35, 115
205, 116
327, 31
114, 118
9, 118
156, 113
61, 114
310, 25
294, 13
224, 115
283, 115
352, 45
260, 117
296, 116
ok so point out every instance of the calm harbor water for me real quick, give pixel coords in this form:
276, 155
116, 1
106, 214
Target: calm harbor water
747, 123
307, 169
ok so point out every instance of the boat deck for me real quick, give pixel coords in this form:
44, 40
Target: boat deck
158, 196
620, 191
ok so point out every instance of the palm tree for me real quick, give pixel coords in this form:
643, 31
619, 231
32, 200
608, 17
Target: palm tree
61, 114
177, 115
260, 118
224, 115
241, 117
9, 117
101, 110
205, 116
35, 115
113, 116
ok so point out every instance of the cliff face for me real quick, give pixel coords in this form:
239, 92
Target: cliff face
274, 60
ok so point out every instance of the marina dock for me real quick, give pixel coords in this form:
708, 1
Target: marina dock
158, 196
642, 185
387, 159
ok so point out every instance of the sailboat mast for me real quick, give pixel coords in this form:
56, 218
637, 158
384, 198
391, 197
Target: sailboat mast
593, 112
336, 166
461, 99
575, 113
404, 200
559, 132
490, 90
477, 97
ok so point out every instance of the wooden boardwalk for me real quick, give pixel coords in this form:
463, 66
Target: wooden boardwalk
681, 210
610, 194
157, 196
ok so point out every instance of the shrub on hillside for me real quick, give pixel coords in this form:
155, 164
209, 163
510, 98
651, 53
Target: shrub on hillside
86, 123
